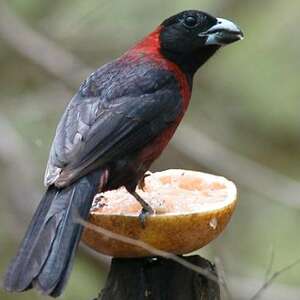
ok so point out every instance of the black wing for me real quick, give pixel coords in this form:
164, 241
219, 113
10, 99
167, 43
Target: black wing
100, 128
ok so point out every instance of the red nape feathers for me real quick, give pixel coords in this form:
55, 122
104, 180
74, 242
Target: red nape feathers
150, 44
150, 47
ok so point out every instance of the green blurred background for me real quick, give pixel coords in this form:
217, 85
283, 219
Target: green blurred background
243, 123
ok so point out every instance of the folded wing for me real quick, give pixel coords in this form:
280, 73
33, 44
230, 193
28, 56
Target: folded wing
97, 130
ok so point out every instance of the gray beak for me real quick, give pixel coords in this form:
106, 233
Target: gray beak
223, 33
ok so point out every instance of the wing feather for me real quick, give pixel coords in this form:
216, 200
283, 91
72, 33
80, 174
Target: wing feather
96, 130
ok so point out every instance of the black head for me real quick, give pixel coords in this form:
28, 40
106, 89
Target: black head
191, 37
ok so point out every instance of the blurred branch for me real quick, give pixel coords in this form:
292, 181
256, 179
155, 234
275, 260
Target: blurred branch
268, 282
270, 264
42, 51
250, 174
242, 288
154, 251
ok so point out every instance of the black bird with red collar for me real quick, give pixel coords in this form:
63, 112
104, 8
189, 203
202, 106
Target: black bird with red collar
116, 125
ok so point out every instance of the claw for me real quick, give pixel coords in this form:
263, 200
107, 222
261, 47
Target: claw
144, 214
142, 182
147, 209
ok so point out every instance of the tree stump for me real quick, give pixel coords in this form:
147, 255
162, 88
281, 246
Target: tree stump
156, 278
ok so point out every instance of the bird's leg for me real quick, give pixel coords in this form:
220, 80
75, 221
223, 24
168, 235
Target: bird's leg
147, 210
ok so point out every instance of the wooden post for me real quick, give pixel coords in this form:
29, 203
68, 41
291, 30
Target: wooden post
155, 278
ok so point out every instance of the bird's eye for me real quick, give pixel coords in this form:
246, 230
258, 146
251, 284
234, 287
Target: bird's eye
190, 21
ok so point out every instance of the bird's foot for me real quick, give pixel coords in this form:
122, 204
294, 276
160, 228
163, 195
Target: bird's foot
144, 214
146, 211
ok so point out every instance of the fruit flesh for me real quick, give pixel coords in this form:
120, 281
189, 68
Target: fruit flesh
174, 192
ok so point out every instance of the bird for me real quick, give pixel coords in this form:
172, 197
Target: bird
118, 122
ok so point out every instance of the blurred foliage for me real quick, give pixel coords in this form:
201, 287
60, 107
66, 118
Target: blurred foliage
247, 97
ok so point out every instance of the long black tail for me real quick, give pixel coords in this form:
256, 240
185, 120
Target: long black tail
45, 257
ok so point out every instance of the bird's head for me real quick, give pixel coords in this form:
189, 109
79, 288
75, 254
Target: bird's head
191, 37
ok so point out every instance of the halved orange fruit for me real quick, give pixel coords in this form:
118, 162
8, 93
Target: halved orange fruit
191, 209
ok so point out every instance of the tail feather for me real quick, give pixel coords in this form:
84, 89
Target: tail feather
45, 257
21, 269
